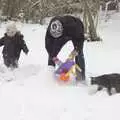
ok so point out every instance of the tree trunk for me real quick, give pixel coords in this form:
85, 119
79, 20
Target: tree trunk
89, 23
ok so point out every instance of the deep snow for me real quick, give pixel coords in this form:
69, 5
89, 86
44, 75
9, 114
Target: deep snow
34, 94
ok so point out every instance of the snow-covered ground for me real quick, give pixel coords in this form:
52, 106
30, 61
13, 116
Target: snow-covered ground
34, 93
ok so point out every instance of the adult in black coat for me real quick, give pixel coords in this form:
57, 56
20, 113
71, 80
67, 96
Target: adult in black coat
60, 30
13, 44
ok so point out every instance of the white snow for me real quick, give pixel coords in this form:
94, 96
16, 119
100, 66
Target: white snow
34, 93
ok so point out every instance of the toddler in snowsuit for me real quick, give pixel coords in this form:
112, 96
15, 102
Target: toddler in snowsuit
60, 30
13, 44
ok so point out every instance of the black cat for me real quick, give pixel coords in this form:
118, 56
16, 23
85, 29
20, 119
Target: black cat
108, 81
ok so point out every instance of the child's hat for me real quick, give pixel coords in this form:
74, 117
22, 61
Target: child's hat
11, 29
